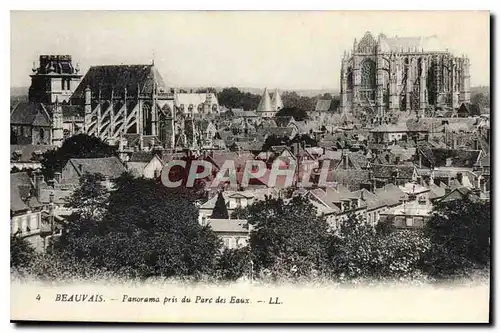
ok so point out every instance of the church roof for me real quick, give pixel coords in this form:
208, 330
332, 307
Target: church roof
28, 113
415, 44
265, 102
119, 77
276, 102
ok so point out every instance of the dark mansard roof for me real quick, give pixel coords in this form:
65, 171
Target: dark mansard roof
119, 77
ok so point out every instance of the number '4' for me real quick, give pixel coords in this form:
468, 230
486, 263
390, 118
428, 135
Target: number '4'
38, 297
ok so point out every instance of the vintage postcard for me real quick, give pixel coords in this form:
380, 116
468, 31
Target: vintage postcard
250, 166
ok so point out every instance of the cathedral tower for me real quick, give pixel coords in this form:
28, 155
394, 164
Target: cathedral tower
54, 78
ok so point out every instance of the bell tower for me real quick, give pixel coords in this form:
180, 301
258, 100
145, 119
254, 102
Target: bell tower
55, 78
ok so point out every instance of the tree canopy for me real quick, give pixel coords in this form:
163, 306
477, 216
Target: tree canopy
286, 238
459, 232
295, 112
146, 230
220, 209
77, 146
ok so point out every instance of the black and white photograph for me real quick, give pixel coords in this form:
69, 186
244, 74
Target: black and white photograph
250, 166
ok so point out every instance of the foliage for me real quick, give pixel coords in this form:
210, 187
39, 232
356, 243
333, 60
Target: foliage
459, 232
273, 140
304, 140
287, 237
90, 199
239, 213
386, 226
481, 99
220, 208
358, 252
147, 230
77, 146
233, 263
234, 98
21, 252
295, 112
293, 100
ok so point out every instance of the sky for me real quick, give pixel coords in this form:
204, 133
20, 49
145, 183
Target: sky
257, 49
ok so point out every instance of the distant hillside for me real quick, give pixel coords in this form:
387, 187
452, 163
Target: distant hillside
259, 91
480, 89
19, 91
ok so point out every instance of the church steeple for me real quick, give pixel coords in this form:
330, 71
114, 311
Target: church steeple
276, 102
265, 103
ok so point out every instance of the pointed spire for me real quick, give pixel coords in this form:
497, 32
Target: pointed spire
276, 102
265, 102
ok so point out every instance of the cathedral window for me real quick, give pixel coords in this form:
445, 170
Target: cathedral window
368, 74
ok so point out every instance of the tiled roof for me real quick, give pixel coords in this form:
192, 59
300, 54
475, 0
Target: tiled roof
351, 178
228, 225
117, 78
27, 113
20, 187
107, 166
388, 171
28, 153
389, 128
371, 201
323, 105
335, 155
439, 157
390, 194
277, 131
141, 156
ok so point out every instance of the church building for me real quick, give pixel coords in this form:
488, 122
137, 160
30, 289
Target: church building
268, 106
384, 75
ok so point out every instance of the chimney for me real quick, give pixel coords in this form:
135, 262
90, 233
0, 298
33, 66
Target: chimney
57, 177
51, 183
88, 95
345, 161
38, 184
431, 177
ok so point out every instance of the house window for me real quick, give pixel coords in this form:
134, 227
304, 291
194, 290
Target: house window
226, 242
42, 134
409, 221
238, 202
34, 222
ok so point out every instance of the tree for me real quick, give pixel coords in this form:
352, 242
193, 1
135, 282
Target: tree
233, 263
459, 232
293, 100
296, 113
480, 99
234, 98
77, 146
220, 208
147, 230
21, 252
287, 238
89, 201
358, 252
304, 139
273, 140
